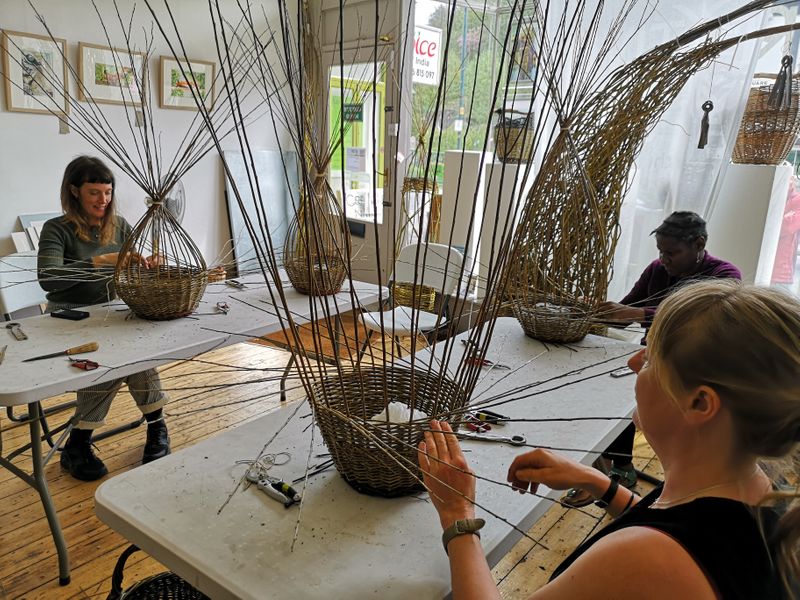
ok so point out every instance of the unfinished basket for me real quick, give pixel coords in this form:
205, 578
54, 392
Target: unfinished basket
174, 286
421, 297
766, 134
513, 137
556, 320
378, 457
316, 243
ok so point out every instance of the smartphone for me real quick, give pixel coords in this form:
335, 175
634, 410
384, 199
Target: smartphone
68, 313
622, 372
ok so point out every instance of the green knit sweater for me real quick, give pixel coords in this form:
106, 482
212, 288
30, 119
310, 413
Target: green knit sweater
65, 265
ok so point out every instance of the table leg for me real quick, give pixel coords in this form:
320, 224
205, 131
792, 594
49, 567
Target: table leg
34, 409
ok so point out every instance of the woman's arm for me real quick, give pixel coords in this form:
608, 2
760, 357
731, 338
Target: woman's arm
635, 562
54, 273
452, 489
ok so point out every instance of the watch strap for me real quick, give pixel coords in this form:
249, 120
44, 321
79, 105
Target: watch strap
606, 498
461, 527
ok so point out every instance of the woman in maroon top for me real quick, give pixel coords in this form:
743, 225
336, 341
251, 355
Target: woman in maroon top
716, 391
681, 242
682, 257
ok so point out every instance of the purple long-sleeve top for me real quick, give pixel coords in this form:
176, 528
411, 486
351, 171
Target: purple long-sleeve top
655, 283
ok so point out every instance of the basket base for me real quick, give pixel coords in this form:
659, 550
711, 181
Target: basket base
368, 490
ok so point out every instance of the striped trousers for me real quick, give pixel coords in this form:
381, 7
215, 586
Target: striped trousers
95, 401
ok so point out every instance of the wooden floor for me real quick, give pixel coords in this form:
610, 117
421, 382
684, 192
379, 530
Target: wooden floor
28, 565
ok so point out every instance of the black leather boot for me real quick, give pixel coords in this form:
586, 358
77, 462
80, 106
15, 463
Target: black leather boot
81, 462
157, 445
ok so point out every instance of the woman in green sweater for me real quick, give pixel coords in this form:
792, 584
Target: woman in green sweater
77, 255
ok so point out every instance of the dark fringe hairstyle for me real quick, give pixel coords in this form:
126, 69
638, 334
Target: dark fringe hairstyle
87, 169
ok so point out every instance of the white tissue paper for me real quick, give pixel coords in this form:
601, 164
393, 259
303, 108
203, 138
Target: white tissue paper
398, 413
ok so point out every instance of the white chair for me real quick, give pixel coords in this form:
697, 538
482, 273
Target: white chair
439, 267
19, 285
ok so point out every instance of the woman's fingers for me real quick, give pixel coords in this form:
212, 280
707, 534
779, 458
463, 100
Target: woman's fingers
439, 439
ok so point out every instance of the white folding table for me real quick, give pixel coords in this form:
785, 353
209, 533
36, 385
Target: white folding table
190, 512
129, 345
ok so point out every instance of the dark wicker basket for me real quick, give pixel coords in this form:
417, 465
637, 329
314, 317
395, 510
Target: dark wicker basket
767, 133
164, 586
557, 321
380, 458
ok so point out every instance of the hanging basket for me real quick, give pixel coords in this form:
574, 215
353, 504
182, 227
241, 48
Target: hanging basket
171, 289
555, 320
317, 243
766, 134
513, 136
377, 457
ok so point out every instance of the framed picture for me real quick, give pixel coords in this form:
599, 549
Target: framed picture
176, 85
111, 75
35, 73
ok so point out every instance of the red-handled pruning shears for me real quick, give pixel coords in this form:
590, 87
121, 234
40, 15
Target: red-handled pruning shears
83, 363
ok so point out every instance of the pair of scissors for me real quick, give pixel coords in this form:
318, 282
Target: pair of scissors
514, 440
83, 363
485, 363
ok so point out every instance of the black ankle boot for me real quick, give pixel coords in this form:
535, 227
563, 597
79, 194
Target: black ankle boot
157, 445
80, 460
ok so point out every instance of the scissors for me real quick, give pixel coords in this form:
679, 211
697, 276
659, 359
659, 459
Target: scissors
473, 360
514, 440
83, 363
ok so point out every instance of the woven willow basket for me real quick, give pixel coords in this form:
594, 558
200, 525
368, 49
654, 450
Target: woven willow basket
163, 293
556, 322
164, 586
766, 134
369, 461
325, 276
421, 297
170, 290
316, 242
513, 138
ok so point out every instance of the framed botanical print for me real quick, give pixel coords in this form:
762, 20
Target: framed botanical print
176, 85
35, 72
111, 75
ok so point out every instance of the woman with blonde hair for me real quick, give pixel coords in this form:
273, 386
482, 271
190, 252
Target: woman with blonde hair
716, 392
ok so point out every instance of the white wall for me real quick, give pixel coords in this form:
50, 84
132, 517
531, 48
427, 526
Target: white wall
33, 154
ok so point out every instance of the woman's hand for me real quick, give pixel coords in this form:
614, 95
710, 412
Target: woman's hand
111, 259
446, 474
620, 313
556, 472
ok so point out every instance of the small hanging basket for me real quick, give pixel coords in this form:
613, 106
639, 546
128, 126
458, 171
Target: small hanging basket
513, 136
767, 133
377, 457
316, 243
556, 320
173, 287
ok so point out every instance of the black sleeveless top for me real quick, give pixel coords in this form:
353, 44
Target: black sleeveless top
722, 536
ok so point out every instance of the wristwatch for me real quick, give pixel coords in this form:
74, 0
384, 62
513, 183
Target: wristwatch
606, 499
461, 527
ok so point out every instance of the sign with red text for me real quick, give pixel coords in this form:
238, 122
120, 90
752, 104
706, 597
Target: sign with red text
427, 50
